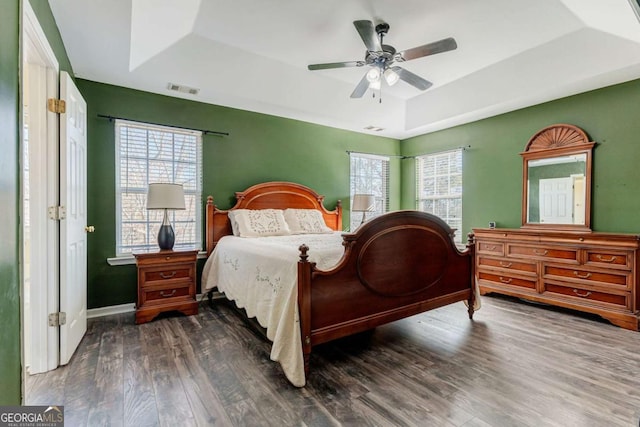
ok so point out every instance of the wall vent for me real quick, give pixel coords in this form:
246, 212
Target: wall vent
183, 88
374, 128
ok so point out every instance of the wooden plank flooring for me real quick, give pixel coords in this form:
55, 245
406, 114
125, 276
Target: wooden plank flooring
516, 364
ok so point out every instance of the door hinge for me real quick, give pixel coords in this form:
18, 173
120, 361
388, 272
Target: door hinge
57, 213
58, 106
57, 319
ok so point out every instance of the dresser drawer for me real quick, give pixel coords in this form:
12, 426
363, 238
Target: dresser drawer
161, 295
581, 295
153, 275
608, 259
507, 280
591, 277
491, 248
507, 263
542, 252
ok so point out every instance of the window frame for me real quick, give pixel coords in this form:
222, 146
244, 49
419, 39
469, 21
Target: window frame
119, 190
420, 178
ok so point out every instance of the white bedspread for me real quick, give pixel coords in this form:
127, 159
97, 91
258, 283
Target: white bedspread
260, 275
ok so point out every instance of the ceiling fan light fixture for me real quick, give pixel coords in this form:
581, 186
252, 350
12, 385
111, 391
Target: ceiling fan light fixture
391, 77
373, 75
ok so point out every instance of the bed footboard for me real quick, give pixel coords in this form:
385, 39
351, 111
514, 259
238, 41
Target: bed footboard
395, 266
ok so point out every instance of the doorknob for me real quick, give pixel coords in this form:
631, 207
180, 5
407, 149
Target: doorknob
89, 228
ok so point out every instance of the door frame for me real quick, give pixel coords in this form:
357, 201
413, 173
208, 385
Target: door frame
43, 341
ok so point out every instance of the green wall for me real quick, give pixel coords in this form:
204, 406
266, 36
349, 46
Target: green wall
260, 148
492, 166
10, 366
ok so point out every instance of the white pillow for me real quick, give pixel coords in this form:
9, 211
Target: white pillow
260, 222
234, 223
306, 221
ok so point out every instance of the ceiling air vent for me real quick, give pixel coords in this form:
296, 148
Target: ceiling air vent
374, 128
183, 89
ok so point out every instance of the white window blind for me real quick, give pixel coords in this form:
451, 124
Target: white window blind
439, 182
369, 174
147, 154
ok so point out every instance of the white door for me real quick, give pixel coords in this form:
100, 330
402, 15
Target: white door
556, 201
73, 199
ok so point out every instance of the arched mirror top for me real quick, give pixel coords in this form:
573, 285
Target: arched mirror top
556, 184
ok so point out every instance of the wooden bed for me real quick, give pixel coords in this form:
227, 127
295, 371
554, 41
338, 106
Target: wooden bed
394, 266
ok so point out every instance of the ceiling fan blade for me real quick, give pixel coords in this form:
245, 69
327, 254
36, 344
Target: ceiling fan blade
413, 79
440, 46
335, 65
361, 88
368, 34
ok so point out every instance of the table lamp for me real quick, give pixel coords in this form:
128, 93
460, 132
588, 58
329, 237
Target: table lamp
165, 196
363, 203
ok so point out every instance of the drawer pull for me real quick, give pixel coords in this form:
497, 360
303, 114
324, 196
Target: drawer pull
540, 251
503, 280
172, 293
490, 247
505, 264
581, 276
167, 276
603, 259
577, 292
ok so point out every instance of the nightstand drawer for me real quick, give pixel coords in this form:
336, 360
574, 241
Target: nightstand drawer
163, 294
180, 271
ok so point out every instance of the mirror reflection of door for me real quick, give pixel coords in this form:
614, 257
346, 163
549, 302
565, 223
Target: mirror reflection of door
556, 201
562, 200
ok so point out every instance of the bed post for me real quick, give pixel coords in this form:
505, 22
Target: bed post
304, 304
471, 246
209, 225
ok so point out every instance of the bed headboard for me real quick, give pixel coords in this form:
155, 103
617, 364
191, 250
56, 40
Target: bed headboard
268, 195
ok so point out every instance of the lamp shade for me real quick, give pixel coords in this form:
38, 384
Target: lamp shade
363, 203
165, 196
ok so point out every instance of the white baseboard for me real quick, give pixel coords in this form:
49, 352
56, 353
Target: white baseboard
109, 310
130, 307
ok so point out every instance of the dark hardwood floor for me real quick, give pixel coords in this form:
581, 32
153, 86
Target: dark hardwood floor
516, 364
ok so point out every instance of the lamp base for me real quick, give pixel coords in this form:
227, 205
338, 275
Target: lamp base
166, 237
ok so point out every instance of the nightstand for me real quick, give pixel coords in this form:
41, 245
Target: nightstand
166, 282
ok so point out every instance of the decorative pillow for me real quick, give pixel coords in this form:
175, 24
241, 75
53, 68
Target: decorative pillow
306, 221
260, 222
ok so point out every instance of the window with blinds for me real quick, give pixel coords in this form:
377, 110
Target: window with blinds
147, 154
369, 174
439, 179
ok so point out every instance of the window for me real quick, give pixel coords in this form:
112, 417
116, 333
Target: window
439, 179
369, 175
150, 153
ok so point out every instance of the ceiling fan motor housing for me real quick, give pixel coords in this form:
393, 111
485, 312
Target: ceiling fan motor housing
382, 28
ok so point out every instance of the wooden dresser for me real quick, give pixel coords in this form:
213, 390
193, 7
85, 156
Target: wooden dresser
590, 272
166, 282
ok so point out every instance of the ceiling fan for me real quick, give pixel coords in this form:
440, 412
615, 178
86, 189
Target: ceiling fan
381, 57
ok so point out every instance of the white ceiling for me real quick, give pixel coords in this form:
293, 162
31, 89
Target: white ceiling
253, 54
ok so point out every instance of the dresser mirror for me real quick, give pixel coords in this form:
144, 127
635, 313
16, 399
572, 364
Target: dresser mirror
556, 183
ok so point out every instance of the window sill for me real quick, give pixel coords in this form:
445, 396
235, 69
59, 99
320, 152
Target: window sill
130, 259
